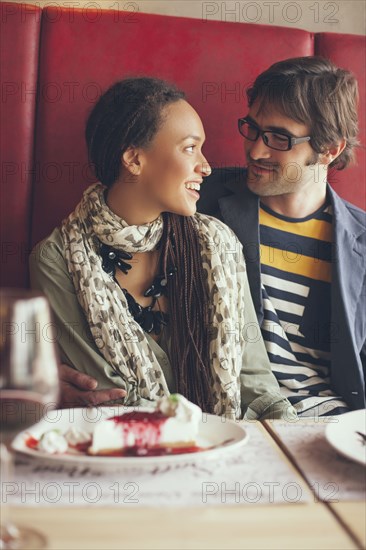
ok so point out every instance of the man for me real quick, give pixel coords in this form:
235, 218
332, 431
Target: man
304, 246
309, 287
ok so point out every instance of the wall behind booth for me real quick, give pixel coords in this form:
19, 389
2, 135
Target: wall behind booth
339, 16
65, 58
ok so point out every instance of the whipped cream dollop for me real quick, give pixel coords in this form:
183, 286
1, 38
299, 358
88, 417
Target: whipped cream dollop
52, 442
75, 436
175, 405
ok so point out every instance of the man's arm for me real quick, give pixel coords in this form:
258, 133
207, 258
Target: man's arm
260, 393
79, 390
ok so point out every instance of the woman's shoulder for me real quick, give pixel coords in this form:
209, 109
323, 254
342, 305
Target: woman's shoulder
220, 244
49, 250
215, 227
47, 265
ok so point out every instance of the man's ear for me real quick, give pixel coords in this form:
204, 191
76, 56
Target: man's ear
131, 160
332, 152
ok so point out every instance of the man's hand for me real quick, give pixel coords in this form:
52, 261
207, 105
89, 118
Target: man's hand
79, 390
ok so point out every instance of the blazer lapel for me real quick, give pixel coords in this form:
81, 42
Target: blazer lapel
240, 212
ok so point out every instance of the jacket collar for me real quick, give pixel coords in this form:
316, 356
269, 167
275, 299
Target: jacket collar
240, 214
342, 212
239, 211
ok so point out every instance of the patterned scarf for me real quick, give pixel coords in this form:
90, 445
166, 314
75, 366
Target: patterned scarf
119, 338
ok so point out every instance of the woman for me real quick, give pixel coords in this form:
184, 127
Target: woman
149, 295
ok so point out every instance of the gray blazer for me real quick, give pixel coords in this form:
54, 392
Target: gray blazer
224, 195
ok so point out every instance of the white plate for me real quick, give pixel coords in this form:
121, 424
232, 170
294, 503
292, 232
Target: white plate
224, 434
343, 437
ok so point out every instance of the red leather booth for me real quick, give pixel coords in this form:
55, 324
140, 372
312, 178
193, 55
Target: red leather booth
57, 61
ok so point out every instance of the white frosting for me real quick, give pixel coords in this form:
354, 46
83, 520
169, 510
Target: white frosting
177, 406
52, 442
74, 436
184, 417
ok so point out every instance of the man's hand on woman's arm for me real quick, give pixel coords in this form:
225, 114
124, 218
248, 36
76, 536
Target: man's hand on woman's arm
79, 390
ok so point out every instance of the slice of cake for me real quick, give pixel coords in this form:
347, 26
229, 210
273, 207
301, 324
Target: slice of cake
172, 425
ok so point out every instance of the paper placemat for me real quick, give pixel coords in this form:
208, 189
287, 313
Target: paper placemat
332, 477
257, 474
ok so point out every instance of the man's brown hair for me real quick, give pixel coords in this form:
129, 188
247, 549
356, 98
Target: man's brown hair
313, 91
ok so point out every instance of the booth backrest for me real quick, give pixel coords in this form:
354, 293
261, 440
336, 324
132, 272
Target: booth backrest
211, 62
19, 46
82, 52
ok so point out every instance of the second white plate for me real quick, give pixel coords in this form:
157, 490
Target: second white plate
344, 435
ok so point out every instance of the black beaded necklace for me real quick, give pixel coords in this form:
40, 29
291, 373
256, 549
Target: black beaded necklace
149, 320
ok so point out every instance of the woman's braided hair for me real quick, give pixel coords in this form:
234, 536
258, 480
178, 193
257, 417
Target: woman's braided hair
129, 114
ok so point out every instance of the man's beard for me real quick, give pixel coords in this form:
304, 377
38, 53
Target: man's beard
277, 182
314, 159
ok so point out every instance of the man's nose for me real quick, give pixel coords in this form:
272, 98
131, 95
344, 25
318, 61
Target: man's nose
257, 149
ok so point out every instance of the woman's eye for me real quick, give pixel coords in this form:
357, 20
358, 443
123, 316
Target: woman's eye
190, 148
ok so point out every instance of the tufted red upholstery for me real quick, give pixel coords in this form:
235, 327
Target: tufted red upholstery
83, 51
349, 51
19, 32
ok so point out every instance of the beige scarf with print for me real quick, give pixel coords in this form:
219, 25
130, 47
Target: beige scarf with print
118, 336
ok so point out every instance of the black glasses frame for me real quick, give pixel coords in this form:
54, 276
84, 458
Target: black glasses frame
291, 141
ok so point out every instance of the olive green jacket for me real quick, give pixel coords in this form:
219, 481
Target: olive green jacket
260, 393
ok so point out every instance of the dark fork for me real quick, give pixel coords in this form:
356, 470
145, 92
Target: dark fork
362, 436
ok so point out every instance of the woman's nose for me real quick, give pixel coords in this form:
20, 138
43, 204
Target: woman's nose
204, 167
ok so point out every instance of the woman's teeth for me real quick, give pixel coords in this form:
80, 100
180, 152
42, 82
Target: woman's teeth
192, 185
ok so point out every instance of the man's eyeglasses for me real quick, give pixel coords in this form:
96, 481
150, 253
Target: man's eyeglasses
274, 140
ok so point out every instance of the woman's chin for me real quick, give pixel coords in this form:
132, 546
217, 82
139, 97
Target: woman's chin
184, 210
188, 212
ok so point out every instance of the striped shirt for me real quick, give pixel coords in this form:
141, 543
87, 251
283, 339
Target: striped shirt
296, 262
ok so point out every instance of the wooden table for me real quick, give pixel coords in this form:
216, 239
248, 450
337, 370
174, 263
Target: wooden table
310, 525
259, 527
352, 516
